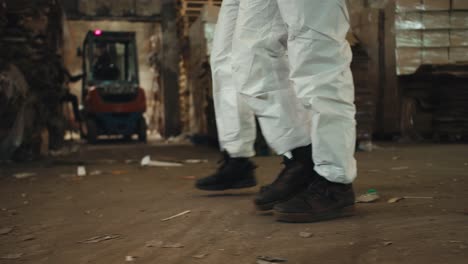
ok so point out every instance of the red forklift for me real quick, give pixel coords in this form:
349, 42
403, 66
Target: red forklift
113, 101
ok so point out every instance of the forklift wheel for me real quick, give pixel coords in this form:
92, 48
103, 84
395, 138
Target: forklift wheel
91, 136
142, 130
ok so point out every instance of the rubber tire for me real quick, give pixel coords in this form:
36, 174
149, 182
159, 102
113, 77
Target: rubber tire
92, 134
142, 128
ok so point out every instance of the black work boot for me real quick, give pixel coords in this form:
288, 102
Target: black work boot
322, 200
294, 178
234, 173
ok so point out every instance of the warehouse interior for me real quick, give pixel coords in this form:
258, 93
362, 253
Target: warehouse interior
70, 194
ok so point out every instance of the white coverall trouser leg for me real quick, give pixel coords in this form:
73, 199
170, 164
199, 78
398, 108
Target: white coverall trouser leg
319, 62
234, 118
235, 121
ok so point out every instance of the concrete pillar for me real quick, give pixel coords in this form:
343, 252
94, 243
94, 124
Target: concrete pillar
170, 69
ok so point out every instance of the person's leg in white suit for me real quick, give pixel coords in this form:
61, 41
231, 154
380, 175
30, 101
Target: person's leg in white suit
261, 73
319, 62
235, 121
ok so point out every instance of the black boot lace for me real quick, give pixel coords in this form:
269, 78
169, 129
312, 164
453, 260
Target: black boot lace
319, 189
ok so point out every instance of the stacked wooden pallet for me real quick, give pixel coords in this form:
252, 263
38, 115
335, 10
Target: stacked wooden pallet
190, 10
451, 114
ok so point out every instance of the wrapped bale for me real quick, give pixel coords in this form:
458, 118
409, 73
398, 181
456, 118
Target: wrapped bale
31, 39
17, 110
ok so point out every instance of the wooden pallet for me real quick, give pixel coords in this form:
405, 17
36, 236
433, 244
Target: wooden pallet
190, 10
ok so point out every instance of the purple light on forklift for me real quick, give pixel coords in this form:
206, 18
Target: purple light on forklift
97, 32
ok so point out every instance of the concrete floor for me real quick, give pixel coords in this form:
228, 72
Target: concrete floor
53, 211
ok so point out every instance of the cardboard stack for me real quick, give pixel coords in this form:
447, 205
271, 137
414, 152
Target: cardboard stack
430, 32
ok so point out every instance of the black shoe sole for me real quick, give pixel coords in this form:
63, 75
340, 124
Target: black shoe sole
271, 205
265, 207
239, 185
310, 218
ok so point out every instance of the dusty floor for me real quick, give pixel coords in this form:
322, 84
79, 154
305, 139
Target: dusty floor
53, 211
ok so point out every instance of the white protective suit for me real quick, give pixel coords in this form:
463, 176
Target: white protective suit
319, 65
234, 118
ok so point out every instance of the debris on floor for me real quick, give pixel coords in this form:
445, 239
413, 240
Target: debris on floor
395, 200
305, 235
267, 260
175, 216
418, 197
12, 256
200, 256
196, 161
27, 238
24, 175
99, 239
172, 245
400, 168
153, 243
147, 162
387, 243
367, 146
369, 197
6, 230
95, 173
81, 171
130, 258
157, 163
